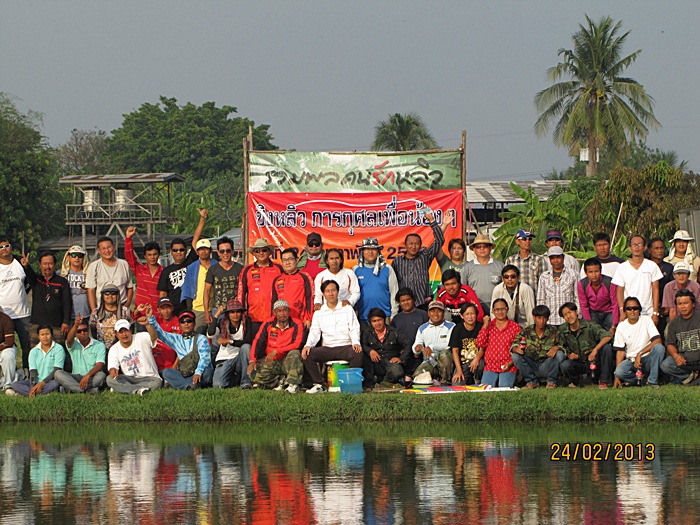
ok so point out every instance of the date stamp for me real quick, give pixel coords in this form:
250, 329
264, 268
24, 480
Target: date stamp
602, 452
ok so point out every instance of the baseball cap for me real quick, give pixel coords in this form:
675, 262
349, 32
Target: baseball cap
164, 301
187, 314
524, 234
555, 250
203, 243
76, 249
436, 304
681, 267
313, 236
121, 324
554, 234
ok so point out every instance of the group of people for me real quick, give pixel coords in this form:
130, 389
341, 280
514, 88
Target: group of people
202, 321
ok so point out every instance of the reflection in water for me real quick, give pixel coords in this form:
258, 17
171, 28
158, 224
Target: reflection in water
384, 474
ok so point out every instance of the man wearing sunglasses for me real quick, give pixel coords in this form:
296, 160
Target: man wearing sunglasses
13, 296
312, 259
87, 357
74, 269
256, 281
531, 265
518, 295
104, 318
221, 283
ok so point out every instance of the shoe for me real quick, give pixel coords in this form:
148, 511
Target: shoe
602, 386
111, 390
551, 385
19, 375
573, 385
279, 387
61, 390
142, 391
246, 386
691, 377
530, 386
316, 389
292, 389
94, 391
653, 385
11, 392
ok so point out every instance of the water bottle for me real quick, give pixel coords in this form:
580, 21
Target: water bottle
522, 345
639, 375
433, 362
593, 369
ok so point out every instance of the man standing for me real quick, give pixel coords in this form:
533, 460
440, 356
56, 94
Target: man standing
133, 356
108, 270
682, 251
681, 275
598, 296
558, 285
276, 358
656, 251
312, 260
554, 238
294, 287
412, 268
51, 299
608, 262
87, 356
194, 287
384, 349
337, 327
103, 319
8, 350
484, 272
74, 268
349, 292
454, 295
255, 283
518, 295
147, 275
13, 295
433, 341
530, 265
639, 277
222, 279
377, 281
683, 341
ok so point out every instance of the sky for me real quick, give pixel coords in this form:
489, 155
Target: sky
323, 73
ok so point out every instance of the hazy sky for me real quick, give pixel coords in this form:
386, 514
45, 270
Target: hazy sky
323, 73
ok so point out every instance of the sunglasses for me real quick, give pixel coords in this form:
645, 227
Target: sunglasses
187, 320
76, 255
110, 293
313, 244
633, 309
481, 246
177, 249
225, 251
510, 276
5, 246
82, 330
260, 250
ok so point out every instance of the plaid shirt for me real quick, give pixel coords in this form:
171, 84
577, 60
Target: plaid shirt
554, 293
536, 347
582, 341
531, 268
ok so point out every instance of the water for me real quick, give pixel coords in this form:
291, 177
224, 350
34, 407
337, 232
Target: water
375, 474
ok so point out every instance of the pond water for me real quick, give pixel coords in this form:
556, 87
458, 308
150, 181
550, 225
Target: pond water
348, 474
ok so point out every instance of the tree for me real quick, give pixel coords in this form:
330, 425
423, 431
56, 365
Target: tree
596, 105
402, 133
32, 203
84, 153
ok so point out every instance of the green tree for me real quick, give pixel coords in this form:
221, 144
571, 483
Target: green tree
400, 132
33, 205
595, 105
84, 153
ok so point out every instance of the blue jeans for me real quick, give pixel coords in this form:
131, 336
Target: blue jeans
650, 366
533, 370
23, 387
503, 379
603, 319
226, 370
175, 379
670, 368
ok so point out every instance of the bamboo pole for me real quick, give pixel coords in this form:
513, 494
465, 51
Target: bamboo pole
617, 222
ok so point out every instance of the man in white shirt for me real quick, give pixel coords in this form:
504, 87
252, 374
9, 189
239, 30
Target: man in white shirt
433, 341
133, 355
348, 285
519, 296
13, 296
337, 327
639, 277
108, 269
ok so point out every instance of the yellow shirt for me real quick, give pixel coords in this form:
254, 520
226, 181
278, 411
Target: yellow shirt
198, 302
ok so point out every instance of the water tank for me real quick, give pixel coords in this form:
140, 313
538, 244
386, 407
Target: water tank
91, 199
123, 198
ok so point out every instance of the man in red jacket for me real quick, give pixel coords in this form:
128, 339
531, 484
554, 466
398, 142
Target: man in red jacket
454, 294
255, 283
275, 360
295, 287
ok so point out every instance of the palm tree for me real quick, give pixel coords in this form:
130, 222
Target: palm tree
597, 106
402, 133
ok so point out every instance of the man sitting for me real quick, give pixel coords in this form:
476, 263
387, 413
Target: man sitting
235, 337
536, 352
133, 354
683, 359
88, 357
384, 348
433, 341
336, 325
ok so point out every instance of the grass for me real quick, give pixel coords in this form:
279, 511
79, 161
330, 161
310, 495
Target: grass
669, 403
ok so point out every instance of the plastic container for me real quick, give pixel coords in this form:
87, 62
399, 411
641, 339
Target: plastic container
350, 380
332, 374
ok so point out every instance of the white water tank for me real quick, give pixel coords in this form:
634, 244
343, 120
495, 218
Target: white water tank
91, 199
123, 199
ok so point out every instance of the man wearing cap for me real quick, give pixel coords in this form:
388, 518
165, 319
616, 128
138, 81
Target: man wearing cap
682, 251
681, 281
173, 276
199, 371
312, 259
276, 357
453, 294
336, 326
484, 272
255, 283
531, 265
221, 284
349, 293
233, 333
164, 355
108, 269
147, 275
73, 269
433, 341
104, 318
639, 277
554, 238
294, 287
557, 286
88, 357
377, 280
412, 267
133, 356
194, 287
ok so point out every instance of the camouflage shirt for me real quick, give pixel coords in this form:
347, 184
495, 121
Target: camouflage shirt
536, 347
583, 340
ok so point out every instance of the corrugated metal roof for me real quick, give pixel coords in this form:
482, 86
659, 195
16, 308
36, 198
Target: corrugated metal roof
500, 191
120, 178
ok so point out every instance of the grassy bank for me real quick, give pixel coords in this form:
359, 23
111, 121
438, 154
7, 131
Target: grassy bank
670, 403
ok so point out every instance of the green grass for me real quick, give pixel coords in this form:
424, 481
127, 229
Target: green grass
669, 403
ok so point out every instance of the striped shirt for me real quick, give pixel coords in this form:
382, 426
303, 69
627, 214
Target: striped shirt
146, 284
531, 268
413, 273
555, 292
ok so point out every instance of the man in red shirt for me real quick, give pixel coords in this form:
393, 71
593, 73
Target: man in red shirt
255, 283
165, 356
312, 260
454, 294
275, 360
147, 275
295, 287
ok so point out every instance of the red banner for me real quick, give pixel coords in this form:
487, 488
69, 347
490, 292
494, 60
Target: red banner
344, 219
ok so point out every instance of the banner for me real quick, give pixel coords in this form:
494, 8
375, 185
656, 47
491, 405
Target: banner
344, 219
296, 171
